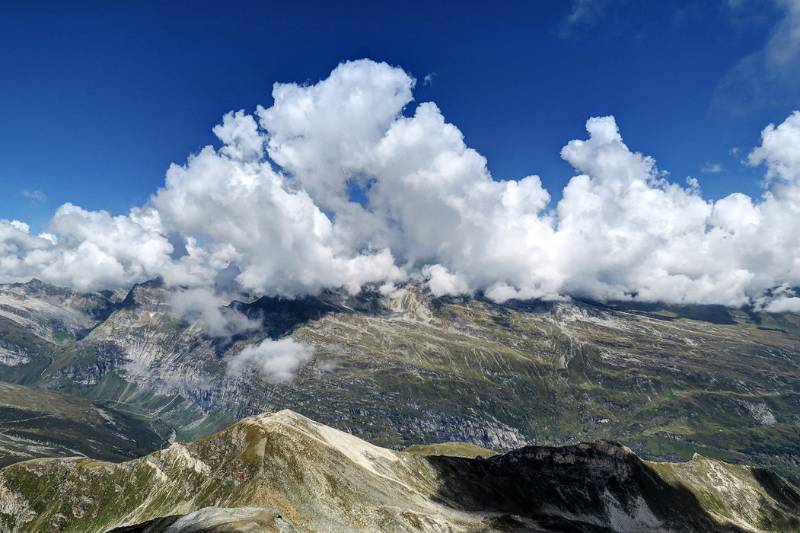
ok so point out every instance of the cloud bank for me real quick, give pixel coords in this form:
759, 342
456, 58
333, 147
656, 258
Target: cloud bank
347, 182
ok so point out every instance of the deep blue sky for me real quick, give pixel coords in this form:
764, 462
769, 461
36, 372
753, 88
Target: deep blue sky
97, 98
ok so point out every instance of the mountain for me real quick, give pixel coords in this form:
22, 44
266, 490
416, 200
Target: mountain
37, 423
283, 472
54, 313
407, 368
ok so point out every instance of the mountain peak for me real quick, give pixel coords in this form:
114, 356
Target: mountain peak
149, 294
270, 418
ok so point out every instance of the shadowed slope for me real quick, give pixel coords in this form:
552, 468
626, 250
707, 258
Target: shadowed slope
36, 423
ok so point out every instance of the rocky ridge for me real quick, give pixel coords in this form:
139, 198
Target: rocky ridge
284, 472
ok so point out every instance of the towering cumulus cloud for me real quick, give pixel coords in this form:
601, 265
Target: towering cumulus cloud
348, 182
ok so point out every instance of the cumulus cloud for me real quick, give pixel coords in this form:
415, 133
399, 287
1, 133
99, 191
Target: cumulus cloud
276, 360
247, 213
779, 150
273, 211
86, 249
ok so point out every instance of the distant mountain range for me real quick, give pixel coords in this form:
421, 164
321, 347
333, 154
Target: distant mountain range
126, 375
283, 472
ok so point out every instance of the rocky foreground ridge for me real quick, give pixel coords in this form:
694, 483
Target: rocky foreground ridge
283, 472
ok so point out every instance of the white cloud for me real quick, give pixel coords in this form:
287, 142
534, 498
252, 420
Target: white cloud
779, 300
279, 239
271, 210
583, 13
87, 249
712, 168
239, 135
784, 304
623, 229
209, 309
34, 196
767, 76
276, 360
780, 150
442, 282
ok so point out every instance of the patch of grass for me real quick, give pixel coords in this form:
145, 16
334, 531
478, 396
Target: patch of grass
451, 449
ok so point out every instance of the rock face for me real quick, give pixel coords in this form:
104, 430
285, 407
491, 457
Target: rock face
53, 312
283, 472
407, 368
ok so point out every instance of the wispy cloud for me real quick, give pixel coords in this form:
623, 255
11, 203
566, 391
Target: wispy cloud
768, 76
712, 168
36, 197
583, 13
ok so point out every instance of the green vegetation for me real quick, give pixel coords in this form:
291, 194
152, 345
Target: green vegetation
450, 449
36, 423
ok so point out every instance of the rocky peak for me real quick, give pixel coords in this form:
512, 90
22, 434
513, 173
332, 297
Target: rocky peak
149, 295
50, 310
36, 286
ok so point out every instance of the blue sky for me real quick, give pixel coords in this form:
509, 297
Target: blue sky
98, 98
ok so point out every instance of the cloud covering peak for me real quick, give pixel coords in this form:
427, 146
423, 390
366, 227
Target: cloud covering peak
344, 183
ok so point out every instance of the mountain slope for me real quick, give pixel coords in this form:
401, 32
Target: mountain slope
286, 473
406, 368
36, 423
54, 312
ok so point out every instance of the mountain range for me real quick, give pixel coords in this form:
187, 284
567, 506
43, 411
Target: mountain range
114, 375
